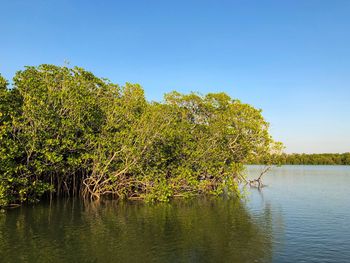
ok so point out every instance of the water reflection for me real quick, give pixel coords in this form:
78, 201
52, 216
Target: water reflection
198, 230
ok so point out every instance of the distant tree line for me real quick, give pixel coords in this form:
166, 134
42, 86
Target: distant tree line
305, 159
64, 131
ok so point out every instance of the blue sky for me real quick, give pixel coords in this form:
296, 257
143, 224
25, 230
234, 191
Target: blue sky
290, 58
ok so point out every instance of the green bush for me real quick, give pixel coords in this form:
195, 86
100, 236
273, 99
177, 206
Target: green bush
66, 132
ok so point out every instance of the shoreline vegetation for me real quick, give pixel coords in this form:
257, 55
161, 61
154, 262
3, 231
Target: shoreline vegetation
306, 159
66, 132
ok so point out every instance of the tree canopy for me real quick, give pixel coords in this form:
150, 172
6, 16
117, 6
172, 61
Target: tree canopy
64, 131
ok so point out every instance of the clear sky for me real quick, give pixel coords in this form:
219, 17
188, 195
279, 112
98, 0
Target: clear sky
290, 58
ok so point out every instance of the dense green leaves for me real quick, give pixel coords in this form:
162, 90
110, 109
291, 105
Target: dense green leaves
65, 131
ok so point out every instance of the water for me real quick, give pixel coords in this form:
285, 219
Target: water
310, 207
303, 215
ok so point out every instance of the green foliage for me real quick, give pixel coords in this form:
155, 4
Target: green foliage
65, 131
304, 159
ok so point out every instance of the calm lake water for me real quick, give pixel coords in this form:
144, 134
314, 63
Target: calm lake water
303, 215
